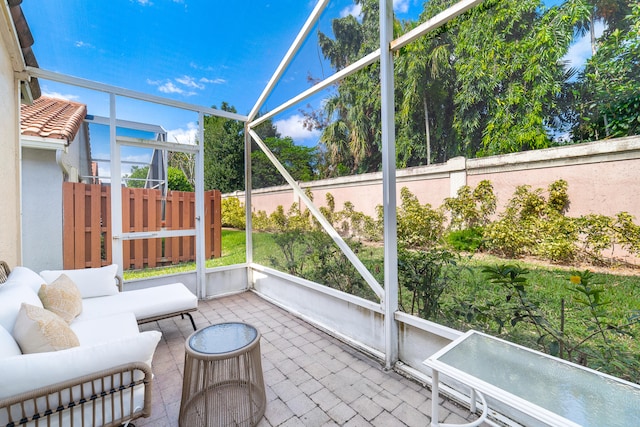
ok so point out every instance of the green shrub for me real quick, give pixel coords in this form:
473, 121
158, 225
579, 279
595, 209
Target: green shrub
425, 274
177, 180
469, 208
233, 213
260, 221
466, 240
533, 225
419, 226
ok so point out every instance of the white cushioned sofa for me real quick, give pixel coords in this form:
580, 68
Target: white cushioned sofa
71, 352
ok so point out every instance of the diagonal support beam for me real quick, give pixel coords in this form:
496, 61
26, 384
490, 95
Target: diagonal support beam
366, 275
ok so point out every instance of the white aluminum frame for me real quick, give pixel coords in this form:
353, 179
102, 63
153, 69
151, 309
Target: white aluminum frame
115, 161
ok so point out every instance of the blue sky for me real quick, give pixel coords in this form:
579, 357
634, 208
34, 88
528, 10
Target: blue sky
204, 52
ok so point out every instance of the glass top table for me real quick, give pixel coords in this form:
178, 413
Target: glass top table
223, 338
553, 390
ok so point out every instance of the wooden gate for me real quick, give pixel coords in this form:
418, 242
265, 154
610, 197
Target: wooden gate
87, 226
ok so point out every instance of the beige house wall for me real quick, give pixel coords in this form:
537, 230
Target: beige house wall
9, 144
603, 178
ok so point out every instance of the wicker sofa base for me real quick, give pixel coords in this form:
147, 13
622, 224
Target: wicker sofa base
107, 398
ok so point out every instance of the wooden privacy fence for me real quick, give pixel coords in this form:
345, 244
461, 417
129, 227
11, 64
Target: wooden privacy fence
87, 236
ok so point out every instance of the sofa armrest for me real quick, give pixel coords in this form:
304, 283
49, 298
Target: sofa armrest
109, 397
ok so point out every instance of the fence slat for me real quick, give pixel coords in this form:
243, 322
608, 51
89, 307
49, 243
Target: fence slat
137, 214
68, 226
95, 244
106, 223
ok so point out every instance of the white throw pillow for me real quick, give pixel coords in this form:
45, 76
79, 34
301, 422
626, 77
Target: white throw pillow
92, 282
31, 371
62, 297
11, 298
39, 331
8, 346
25, 277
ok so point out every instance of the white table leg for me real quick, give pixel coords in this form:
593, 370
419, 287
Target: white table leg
435, 406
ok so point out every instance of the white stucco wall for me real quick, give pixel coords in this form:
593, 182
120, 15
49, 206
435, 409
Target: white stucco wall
41, 210
9, 162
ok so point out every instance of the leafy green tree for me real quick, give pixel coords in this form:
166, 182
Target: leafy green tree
609, 86
137, 177
509, 73
489, 82
223, 152
186, 163
298, 160
425, 78
352, 131
177, 180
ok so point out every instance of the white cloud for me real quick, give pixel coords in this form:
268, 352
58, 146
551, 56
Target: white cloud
144, 2
580, 51
81, 44
189, 81
184, 136
169, 87
401, 6
354, 10
293, 128
217, 81
58, 95
184, 85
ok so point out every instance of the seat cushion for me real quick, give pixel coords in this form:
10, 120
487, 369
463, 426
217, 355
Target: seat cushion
8, 345
143, 303
97, 330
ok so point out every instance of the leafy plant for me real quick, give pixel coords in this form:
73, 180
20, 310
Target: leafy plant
533, 225
419, 226
470, 209
177, 180
426, 274
467, 240
233, 213
591, 307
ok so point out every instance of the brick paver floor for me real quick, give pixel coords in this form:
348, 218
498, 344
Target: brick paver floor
311, 378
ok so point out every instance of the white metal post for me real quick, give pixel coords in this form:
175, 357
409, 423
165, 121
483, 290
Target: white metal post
201, 283
389, 184
116, 189
247, 202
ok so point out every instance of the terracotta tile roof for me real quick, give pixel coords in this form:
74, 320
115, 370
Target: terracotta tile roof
52, 118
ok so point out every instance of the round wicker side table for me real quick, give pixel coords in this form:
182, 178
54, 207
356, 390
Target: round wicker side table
223, 382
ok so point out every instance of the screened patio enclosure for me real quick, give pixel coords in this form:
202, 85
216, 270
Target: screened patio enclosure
370, 319
386, 293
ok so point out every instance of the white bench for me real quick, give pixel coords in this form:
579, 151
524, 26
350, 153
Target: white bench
547, 389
